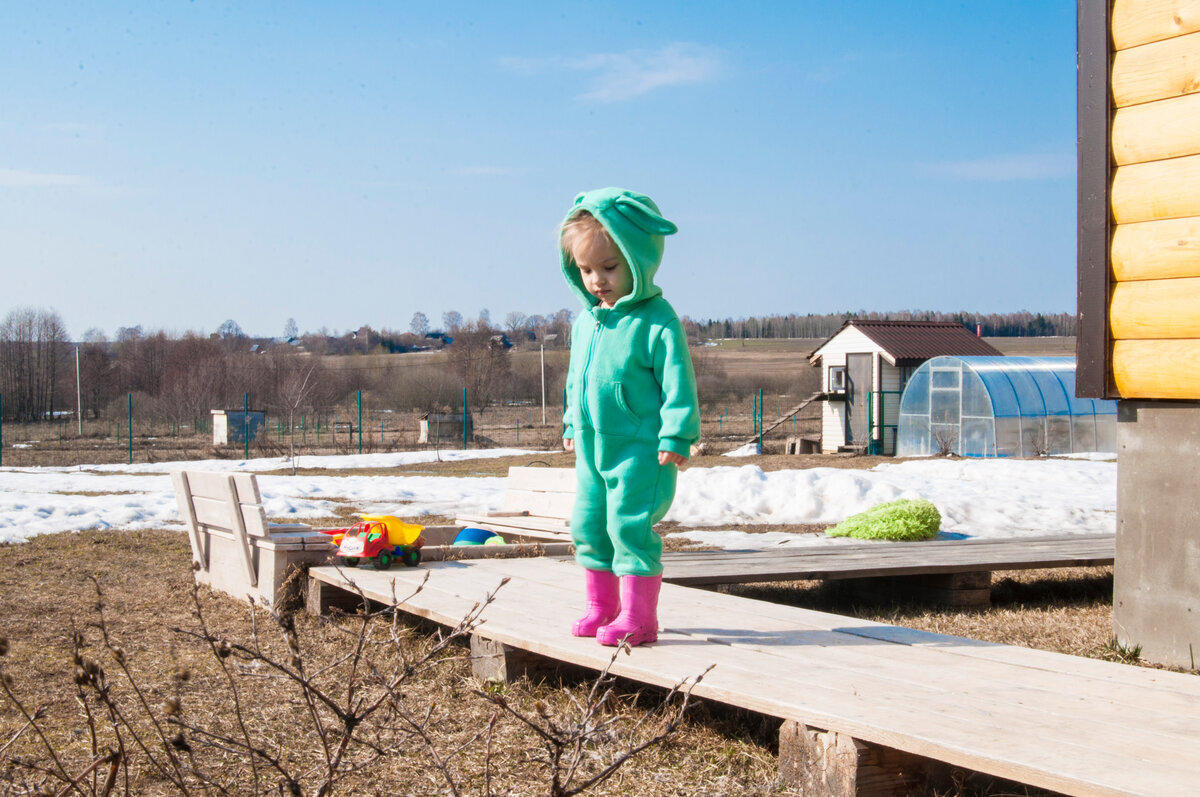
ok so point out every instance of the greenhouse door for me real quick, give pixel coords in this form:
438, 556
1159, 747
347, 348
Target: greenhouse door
858, 387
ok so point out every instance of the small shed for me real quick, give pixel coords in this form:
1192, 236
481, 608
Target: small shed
864, 368
236, 426
1002, 407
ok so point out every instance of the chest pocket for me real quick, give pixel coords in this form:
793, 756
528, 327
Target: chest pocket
610, 410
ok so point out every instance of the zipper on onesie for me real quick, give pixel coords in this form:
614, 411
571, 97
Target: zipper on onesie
587, 367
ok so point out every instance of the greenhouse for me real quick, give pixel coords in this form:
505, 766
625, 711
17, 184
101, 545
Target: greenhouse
1001, 407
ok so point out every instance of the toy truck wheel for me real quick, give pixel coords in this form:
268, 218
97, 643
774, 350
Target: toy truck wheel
383, 560
412, 557
350, 561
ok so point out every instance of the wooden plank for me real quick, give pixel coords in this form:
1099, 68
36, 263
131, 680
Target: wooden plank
695, 568
1157, 249
1156, 309
1158, 71
1159, 190
556, 505
1162, 369
1136, 22
187, 509
1009, 737
553, 480
516, 523
751, 622
1157, 130
239, 529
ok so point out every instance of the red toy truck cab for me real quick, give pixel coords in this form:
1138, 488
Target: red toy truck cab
381, 539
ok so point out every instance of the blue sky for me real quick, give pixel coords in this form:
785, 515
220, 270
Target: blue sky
173, 164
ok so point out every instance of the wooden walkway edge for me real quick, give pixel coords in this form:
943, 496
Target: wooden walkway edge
1074, 725
860, 560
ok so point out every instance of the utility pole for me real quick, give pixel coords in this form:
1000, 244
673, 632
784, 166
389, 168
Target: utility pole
78, 394
544, 339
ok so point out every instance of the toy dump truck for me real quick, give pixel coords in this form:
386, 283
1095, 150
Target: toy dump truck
381, 539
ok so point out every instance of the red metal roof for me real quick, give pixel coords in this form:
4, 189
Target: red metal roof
914, 342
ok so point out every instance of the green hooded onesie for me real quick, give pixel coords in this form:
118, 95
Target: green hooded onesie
631, 393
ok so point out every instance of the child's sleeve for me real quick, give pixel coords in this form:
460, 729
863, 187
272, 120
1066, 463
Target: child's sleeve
680, 406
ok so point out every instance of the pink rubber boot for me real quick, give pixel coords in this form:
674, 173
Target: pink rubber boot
603, 602
639, 613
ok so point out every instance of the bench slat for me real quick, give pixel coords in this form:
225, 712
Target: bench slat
557, 505
545, 480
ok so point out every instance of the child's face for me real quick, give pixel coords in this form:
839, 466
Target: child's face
605, 273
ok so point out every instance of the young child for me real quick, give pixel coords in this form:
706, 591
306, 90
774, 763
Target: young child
632, 413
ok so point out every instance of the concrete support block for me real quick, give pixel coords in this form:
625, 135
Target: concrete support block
1156, 580
495, 661
829, 764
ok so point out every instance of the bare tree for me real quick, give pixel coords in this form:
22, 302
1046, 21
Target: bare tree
229, 329
452, 320
481, 361
419, 324
299, 380
32, 342
515, 322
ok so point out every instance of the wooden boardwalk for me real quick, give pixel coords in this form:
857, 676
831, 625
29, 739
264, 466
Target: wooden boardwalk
861, 560
1070, 724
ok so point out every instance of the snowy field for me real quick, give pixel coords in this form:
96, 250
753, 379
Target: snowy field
977, 498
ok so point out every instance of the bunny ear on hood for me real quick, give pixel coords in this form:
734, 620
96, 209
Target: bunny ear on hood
646, 217
636, 227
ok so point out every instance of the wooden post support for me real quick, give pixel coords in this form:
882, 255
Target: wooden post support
495, 661
831, 764
322, 597
970, 590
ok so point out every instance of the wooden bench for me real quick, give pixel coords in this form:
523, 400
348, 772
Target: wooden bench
537, 504
865, 708
234, 547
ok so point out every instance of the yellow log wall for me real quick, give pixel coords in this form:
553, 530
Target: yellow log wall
1154, 313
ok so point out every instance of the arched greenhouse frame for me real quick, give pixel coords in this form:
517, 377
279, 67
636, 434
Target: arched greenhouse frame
1001, 407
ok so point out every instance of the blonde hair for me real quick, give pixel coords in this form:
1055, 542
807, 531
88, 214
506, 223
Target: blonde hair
580, 228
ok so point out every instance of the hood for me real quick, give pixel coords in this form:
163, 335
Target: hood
636, 227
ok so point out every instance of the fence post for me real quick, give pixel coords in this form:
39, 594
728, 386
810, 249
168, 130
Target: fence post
1, 430
360, 422
464, 419
130, 428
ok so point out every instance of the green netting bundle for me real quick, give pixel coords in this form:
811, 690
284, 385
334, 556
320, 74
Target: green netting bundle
906, 519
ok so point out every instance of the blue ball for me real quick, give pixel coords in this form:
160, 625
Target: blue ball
473, 536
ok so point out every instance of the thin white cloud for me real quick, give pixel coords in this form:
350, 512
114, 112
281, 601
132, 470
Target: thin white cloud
1001, 168
622, 76
12, 178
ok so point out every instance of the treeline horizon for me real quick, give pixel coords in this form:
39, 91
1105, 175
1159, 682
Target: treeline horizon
823, 325
520, 328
